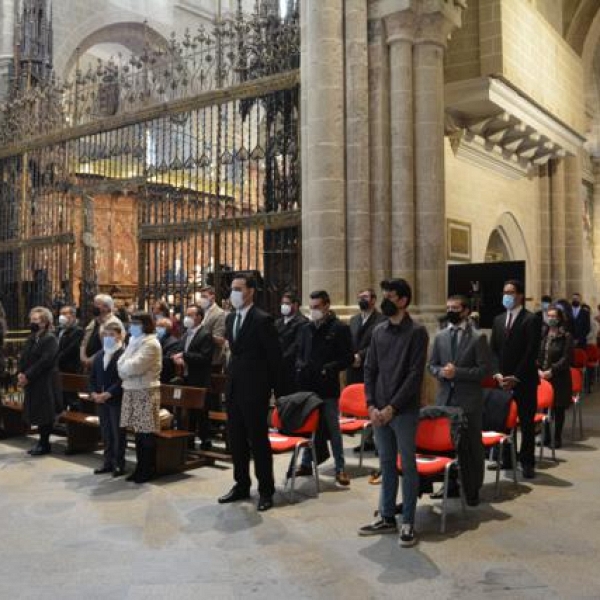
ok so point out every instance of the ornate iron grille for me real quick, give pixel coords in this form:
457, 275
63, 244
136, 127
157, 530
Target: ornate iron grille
156, 194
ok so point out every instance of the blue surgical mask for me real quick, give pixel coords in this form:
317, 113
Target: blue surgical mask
508, 301
109, 343
161, 332
135, 330
545, 306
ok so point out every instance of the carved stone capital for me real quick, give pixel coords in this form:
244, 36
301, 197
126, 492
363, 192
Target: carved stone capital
400, 26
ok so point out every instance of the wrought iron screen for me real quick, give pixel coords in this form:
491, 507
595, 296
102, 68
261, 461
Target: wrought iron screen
151, 182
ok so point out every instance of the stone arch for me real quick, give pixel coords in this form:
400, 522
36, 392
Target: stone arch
508, 235
132, 35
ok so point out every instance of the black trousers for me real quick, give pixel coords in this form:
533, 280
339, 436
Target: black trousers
472, 454
248, 432
113, 436
526, 397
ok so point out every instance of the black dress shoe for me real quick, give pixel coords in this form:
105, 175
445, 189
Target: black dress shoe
528, 471
37, 446
265, 503
102, 470
369, 447
234, 495
40, 451
118, 472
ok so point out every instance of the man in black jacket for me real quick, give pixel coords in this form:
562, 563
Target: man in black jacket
288, 325
393, 378
170, 346
195, 355
253, 374
70, 335
515, 344
581, 321
324, 350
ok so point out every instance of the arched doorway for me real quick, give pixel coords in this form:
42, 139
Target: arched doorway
496, 250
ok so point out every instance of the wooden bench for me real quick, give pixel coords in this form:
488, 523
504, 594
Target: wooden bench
172, 452
83, 431
218, 382
11, 415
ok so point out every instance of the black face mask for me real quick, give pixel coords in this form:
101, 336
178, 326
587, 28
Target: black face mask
388, 308
363, 304
96, 311
453, 317
575, 304
34, 327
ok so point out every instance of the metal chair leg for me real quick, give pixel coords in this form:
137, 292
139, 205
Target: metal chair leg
499, 454
513, 457
315, 465
362, 446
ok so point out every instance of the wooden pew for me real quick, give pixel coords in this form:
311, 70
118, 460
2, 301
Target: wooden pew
218, 382
172, 453
11, 415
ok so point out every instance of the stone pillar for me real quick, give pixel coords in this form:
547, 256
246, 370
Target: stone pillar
430, 218
573, 224
400, 34
557, 196
379, 136
323, 149
545, 232
596, 223
358, 222
7, 29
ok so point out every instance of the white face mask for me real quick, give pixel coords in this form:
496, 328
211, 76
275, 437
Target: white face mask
205, 303
188, 322
237, 299
316, 315
286, 310
63, 320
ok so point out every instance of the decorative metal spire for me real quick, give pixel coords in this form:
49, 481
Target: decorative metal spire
34, 52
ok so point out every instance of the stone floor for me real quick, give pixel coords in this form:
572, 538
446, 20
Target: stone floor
67, 534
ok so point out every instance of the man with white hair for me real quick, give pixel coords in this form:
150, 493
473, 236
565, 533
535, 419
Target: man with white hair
103, 312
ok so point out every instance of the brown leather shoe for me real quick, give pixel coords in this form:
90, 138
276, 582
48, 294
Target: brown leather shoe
342, 478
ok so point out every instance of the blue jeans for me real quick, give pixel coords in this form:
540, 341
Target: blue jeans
330, 413
398, 436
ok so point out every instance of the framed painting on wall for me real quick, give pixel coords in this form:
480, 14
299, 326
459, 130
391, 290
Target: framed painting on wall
459, 240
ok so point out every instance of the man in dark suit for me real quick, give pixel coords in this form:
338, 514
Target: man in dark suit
252, 374
361, 328
196, 349
70, 335
460, 359
287, 329
170, 346
515, 345
581, 322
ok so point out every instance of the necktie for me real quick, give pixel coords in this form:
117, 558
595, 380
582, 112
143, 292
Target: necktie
453, 342
237, 325
509, 323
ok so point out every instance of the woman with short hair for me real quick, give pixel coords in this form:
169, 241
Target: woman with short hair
38, 376
139, 368
554, 363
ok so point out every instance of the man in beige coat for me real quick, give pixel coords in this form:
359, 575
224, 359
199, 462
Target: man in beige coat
103, 312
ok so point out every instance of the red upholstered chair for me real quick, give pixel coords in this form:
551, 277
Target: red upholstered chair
545, 415
580, 358
354, 414
304, 437
498, 439
433, 437
577, 383
593, 362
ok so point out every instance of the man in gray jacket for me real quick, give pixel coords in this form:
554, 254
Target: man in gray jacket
460, 359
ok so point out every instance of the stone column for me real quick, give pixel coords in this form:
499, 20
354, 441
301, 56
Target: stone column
400, 34
358, 211
557, 196
430, 219
573, 224
323, 149
379, 136
545, 232
596, 223
7, 29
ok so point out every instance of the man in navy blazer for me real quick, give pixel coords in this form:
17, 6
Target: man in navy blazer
252, 375
515, 344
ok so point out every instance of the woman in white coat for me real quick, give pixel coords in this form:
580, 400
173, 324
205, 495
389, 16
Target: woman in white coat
139, 368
